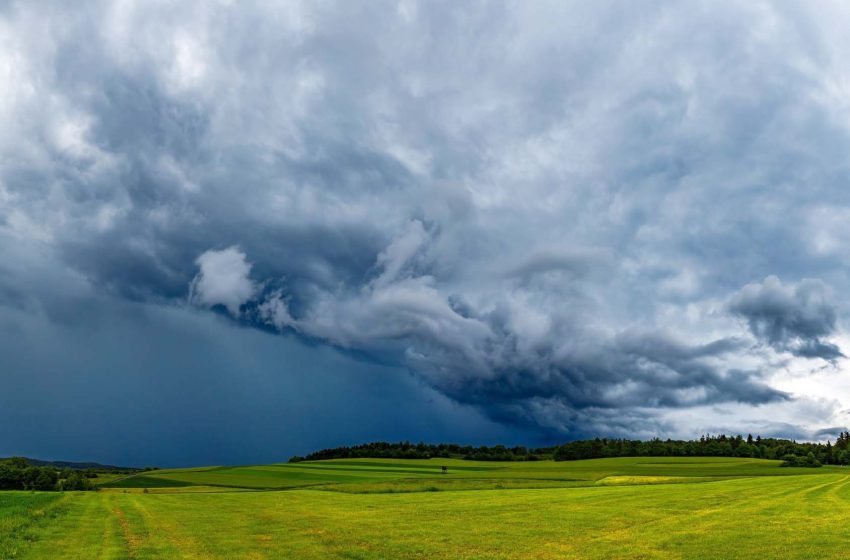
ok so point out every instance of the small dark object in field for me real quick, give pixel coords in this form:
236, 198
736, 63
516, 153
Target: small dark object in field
445, 469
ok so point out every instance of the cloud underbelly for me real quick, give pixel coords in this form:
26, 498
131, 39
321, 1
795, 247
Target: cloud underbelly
497, 348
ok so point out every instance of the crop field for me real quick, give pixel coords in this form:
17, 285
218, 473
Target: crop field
375, 509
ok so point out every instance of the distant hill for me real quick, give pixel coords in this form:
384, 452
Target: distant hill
75, 465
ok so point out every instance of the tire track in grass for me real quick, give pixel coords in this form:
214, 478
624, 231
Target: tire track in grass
815, 489
134, 529
699, 519
130, 539
87, 531
112, 544
95, 508
810, 514
768, 497
833, 493
824, 489
772, 507
107, 537
180, 543
153, 531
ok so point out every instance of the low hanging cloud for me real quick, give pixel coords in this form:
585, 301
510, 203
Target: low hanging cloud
795, 318
525, 363
223, 279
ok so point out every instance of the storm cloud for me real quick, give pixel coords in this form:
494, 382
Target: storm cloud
574, 218
790, 318
518, 362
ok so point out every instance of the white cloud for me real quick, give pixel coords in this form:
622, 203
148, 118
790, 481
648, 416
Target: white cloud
223, 279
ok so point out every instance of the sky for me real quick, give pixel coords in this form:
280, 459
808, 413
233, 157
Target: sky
231, 232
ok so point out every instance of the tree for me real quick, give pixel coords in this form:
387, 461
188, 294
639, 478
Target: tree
811, 461
744, 450
19, 463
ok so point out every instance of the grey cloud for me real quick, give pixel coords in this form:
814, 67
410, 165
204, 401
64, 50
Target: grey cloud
832, 431
576, 263
194, 389
793, 318
519, 202
522, 375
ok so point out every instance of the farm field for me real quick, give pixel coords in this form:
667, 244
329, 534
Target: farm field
364, 475
372, 508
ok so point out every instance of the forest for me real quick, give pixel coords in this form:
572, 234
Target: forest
792, 453
17, 473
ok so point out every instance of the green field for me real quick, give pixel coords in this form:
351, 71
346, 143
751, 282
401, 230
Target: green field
606, 508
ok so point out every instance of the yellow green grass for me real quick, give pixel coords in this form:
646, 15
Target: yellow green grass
106, 478
352, 474
611, 508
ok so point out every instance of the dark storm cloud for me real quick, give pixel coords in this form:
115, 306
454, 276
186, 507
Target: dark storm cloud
535, 207
518, 365
832, 431
790, 318
192, 389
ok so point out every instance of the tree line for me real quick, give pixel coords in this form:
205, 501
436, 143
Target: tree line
407, 450
16, 473
790, 452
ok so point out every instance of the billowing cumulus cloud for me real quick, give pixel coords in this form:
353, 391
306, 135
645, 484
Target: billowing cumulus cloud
510, 356
558, 214
223, 279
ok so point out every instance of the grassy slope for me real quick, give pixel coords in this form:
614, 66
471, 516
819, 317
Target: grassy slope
371, 474
767, 517
621, 512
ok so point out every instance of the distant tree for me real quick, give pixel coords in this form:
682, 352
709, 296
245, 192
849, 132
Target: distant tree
808, 460
17, 462
811, 461
44, 479
707, 445
744, 450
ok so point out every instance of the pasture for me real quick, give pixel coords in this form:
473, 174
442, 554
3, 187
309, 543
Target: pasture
371, 508
364, 475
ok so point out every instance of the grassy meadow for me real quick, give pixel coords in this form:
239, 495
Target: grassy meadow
379, 508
